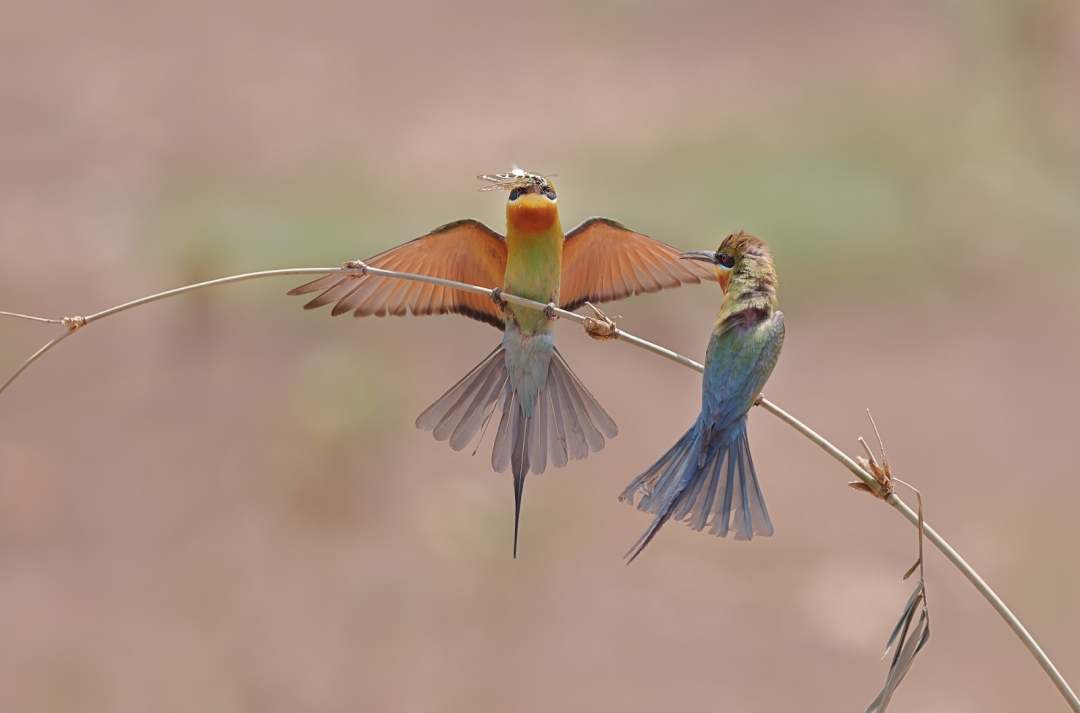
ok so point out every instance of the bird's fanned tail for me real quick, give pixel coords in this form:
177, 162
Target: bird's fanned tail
459, 414
558, 422
705, 480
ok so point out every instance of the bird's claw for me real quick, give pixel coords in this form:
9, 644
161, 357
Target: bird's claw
549, 310
600, 326
497, 298
356, 265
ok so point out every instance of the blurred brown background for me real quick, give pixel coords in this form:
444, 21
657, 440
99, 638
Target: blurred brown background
220, 503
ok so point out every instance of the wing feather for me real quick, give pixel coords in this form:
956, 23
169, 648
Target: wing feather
466, 251
604, 261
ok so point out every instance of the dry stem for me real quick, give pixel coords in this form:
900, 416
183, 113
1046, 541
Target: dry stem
872, 483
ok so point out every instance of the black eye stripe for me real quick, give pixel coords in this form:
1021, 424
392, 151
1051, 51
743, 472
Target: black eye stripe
522, 190
725, 260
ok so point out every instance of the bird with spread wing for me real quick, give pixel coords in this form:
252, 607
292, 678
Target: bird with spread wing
545, 414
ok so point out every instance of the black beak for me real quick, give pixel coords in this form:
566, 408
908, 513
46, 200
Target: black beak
702, 255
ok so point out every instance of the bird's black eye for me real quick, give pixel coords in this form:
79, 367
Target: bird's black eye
725, 260
516, 193
549, 192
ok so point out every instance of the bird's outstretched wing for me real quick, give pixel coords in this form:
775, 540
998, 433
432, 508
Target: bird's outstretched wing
465, 250
605, 261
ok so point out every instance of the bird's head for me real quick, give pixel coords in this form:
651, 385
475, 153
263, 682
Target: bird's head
532, 206
739, 254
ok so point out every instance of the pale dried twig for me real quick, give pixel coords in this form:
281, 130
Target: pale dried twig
864, 474
905, 641
30, 317
76, 322
943, 546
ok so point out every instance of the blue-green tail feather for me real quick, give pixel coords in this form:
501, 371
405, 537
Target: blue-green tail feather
707, 479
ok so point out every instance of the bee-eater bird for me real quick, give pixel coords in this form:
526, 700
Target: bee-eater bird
546, 415
707, 479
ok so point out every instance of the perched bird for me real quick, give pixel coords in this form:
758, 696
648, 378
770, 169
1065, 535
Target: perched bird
546, 415
707, 479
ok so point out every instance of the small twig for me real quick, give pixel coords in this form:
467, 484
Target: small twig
881, 471
34, 357
868, 451
30, 317
74, 323
905, 648
943, 546
881, 442
922, 531
869, 479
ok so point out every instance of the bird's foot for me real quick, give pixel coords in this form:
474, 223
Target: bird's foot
356, 266
549, 311
600, 326
497, 298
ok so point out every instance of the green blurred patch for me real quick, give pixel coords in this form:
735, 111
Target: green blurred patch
346, 418
343, 390
878, 200
210, 228
889, 192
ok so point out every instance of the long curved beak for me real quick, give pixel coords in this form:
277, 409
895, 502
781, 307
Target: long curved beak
702, 255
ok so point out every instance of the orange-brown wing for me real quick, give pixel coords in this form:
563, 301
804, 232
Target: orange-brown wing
465, 250
605, 261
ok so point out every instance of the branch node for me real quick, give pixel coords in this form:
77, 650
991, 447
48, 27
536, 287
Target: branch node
73, 323
881, 470
600, 326
355, 265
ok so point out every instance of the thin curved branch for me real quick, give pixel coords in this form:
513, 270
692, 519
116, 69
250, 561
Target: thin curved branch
30, 317
34, 357
74, 323
942, 545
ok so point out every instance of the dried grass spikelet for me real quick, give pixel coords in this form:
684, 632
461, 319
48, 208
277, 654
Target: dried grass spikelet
881, 471
908, 636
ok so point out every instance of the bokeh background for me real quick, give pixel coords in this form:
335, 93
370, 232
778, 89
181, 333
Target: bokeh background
220, 503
